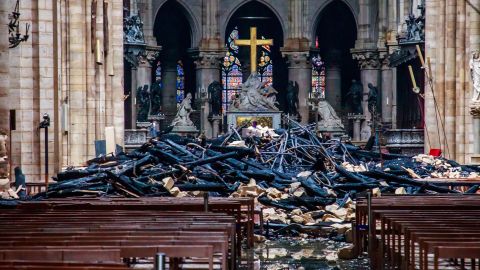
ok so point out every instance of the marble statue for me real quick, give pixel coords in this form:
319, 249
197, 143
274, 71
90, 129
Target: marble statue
182, 119
255, 96
3, 145
475, 72
372, 98
329, 118
292, 98
215, 90
355, 95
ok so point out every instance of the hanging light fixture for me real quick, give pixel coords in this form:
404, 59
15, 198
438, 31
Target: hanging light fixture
14, 28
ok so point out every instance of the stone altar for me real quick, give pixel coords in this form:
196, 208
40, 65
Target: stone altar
255, 102
270, 119
134, 138
405, 141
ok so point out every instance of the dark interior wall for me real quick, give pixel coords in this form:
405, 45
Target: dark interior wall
255, 14
410, 106
337, 30
173, 32
127, 90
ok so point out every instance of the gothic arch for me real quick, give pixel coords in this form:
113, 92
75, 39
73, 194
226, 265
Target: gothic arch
189, 13
241, 3
352, 5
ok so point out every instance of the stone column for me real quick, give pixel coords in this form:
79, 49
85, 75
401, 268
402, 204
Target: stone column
369, 64
169, 91
133, 97
216, 120
207, 68
143, 77
386, 91
333, 91
4, 65
475, 111
300, 70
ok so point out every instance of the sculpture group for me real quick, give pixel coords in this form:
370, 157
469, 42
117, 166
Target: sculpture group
182, 118
254, 96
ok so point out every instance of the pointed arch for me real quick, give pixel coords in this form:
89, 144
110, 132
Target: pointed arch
320, 12
281, 19
195, 23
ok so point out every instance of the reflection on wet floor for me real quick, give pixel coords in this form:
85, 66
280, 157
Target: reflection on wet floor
295, 254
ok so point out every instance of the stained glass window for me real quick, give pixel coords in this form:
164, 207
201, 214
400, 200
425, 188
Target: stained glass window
318, 76
180, 82
231, 71
265, 67
158, 73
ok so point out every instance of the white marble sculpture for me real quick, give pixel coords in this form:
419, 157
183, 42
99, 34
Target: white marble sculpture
329, 118
255, 96
475, 70
3, 146
182, 119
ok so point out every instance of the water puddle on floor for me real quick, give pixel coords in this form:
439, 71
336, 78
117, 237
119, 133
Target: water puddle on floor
294, 254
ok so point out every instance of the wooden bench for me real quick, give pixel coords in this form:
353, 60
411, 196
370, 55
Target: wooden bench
420, 232
136, 228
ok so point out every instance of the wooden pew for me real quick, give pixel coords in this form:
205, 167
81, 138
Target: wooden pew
137, 228
408, 231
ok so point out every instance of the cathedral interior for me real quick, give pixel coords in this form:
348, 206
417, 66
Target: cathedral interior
235, 90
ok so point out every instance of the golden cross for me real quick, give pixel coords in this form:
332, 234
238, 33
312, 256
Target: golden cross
253, 42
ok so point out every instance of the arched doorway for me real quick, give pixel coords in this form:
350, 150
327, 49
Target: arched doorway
236, 65
175, 71
335, 35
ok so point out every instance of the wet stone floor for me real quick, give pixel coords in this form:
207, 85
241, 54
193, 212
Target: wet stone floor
294, 254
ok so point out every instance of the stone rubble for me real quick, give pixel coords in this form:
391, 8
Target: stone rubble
302, 184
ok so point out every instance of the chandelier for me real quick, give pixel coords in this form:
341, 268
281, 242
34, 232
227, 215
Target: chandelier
14, 28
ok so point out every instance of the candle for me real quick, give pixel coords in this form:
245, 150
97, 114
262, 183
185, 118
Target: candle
412, 77
420, 55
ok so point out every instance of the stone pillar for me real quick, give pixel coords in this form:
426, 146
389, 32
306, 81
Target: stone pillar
143, 77
357, 124
386, 91
169, 91
216, 120
333, 91
475, 111
207, 68
300, 70
133, 97
369, 64
4, 65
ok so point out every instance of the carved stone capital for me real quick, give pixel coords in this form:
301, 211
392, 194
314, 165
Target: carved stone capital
149, 56
475, 109
384, 58
298, 59
206, 59
367, 59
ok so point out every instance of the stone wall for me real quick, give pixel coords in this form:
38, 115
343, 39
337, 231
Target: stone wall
449, 44
55, 72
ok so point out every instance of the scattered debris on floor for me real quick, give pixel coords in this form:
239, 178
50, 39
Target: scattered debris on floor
302, 183
297, 253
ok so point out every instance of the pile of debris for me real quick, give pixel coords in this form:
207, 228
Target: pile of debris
302, 183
